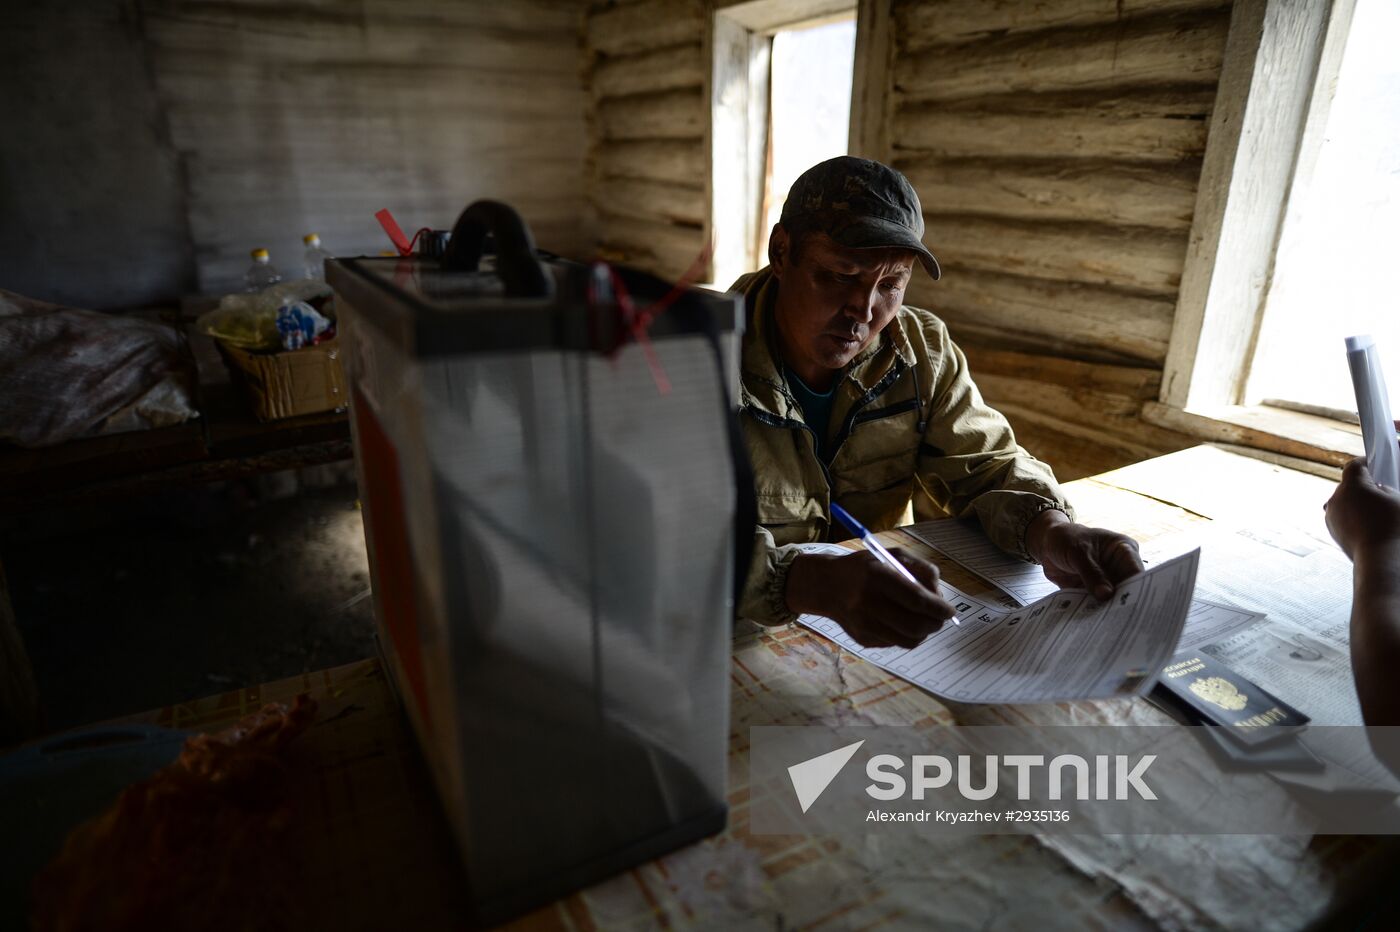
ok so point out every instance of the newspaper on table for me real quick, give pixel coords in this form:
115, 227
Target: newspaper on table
1302, 651
1062, 647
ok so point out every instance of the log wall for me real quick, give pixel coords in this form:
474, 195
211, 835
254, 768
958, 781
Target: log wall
646, 65
294, 118
1057, 150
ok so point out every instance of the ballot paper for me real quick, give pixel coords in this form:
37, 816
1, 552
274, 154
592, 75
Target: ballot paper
1373, 409
1063, 647
967, 545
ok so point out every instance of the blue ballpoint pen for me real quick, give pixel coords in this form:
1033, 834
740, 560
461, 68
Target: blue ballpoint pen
875, 547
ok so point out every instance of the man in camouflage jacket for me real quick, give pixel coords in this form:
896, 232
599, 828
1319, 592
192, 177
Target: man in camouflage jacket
849, 396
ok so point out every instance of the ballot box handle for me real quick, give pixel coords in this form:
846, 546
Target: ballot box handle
521, 270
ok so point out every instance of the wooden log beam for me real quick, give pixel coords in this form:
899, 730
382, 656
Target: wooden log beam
1159, 126
1065, 410
1161, 51
1134, 384
665, 69
252, 27
1098, 410
641, 27
215, 38
1147, 261
1099, 405
926, 23
1069, 456
1154, 195
1291, 433
768, 16
1074, 450
1070, 319
679, 161
670, 115
655, 201
666, 249
971, 332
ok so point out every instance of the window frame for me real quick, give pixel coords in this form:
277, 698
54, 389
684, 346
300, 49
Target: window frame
741, 39
1276, 86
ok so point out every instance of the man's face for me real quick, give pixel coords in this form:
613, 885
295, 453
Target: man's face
833, 302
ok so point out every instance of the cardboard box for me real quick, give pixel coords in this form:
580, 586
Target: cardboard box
288, 384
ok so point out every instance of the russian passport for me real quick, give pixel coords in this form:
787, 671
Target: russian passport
1217, 695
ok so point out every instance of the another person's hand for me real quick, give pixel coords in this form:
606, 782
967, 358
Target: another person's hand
1076, 556
1364, 517
1362, 513
875, 604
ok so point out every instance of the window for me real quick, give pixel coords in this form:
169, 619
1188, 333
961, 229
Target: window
780, 103
1334, 273
1299, 203
809, 110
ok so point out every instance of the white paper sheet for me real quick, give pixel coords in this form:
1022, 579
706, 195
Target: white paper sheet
1065, 646
966, 544
1373, 409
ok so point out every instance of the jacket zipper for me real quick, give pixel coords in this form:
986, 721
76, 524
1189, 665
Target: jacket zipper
879, 389
884, 385
881, 413
772, 420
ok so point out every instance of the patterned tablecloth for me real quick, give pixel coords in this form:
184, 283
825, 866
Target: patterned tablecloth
379, 856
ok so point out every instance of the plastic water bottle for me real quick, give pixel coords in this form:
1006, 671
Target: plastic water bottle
262, 273
314, 265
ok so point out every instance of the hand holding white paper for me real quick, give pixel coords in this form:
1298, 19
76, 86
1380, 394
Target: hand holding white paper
1373, 408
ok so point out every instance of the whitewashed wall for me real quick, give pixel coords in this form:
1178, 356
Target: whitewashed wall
293, 118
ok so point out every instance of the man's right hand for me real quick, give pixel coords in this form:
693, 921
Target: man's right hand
875, 604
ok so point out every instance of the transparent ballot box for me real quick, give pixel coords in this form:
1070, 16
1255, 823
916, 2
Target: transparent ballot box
550, 506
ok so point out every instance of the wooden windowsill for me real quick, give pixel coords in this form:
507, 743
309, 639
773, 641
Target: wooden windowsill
1291, 433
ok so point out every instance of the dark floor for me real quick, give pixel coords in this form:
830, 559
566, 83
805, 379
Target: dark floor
133, 605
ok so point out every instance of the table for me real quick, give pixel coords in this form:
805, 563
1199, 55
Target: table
380, 842
225, 442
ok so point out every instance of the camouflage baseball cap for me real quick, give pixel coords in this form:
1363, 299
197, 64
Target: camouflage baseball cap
860, 204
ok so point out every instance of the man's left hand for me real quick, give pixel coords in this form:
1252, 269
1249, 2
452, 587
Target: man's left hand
1081, 557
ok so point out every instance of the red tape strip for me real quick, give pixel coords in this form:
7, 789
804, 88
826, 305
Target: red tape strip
401, 242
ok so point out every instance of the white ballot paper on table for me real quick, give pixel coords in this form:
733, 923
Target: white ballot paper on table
1373, 410
967, 545
1065, 646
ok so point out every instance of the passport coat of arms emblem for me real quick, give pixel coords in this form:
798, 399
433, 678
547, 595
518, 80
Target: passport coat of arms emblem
1219, 691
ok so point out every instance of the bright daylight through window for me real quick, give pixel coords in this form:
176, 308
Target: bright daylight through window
811, 108
1337, 255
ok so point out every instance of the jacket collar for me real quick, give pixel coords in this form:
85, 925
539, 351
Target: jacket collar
763, 383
